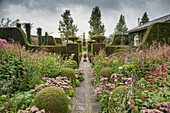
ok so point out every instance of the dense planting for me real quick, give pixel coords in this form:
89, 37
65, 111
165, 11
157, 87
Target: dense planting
139, 81
25, 73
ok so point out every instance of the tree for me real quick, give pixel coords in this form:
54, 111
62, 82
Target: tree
8, 23
66, 25
144, 19
121, 26
95, 22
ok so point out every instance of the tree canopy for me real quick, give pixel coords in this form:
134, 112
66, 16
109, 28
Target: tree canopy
121, 25
144, 19
95, 22
66, 25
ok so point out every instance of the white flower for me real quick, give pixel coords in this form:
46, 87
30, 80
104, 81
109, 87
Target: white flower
120, 67
113, 61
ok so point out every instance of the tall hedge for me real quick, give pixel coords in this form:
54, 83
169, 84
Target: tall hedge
51, 40
17, 34
120, 39
58, 40
157, 31
73, 48
96, 47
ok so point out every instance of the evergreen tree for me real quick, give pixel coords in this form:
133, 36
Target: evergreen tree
121, 26
95, 22
66, 26
144, 19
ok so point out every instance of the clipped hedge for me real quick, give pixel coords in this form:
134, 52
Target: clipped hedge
73, 48
96, 47
111, 49
17, 34
157, 31
58, 40
120, 39
55, 49
51, 40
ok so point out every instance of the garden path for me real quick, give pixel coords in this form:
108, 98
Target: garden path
84, 99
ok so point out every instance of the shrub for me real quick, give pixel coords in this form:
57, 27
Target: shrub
52, 99
69, 72
122, 99
105, 72
98, 38
71, 64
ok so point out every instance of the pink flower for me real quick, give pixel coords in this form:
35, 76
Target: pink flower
109, 84
115, 80
44, 78
124, 78
103, 79
121, 83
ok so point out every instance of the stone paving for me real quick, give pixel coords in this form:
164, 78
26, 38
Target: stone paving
84, 100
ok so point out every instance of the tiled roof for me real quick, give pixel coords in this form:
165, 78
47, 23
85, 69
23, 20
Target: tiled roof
145, 26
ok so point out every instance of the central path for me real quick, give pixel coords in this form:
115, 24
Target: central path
84, 100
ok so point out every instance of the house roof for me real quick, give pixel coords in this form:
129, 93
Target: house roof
145, 26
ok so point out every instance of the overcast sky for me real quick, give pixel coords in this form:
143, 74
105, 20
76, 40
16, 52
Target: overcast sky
47, 13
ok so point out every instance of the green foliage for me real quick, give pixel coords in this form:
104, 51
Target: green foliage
12, 71
105, 72
46, 38
77, 82
98, 38
117, 49
96, 47
28, 32
69, 72
73, 48
51, 40
17, 34
157, 31
73, 38
52, 99
66, 25
120, 39
39, 36
78, 41
144, 19
71, 64
58, 40
121, 25
18, 101
95, 22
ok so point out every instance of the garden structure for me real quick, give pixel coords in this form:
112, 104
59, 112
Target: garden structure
52, 77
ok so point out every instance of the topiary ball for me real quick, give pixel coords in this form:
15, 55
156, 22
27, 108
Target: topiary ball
105, 72
69, 72
71, 64
117, 96
52, 99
